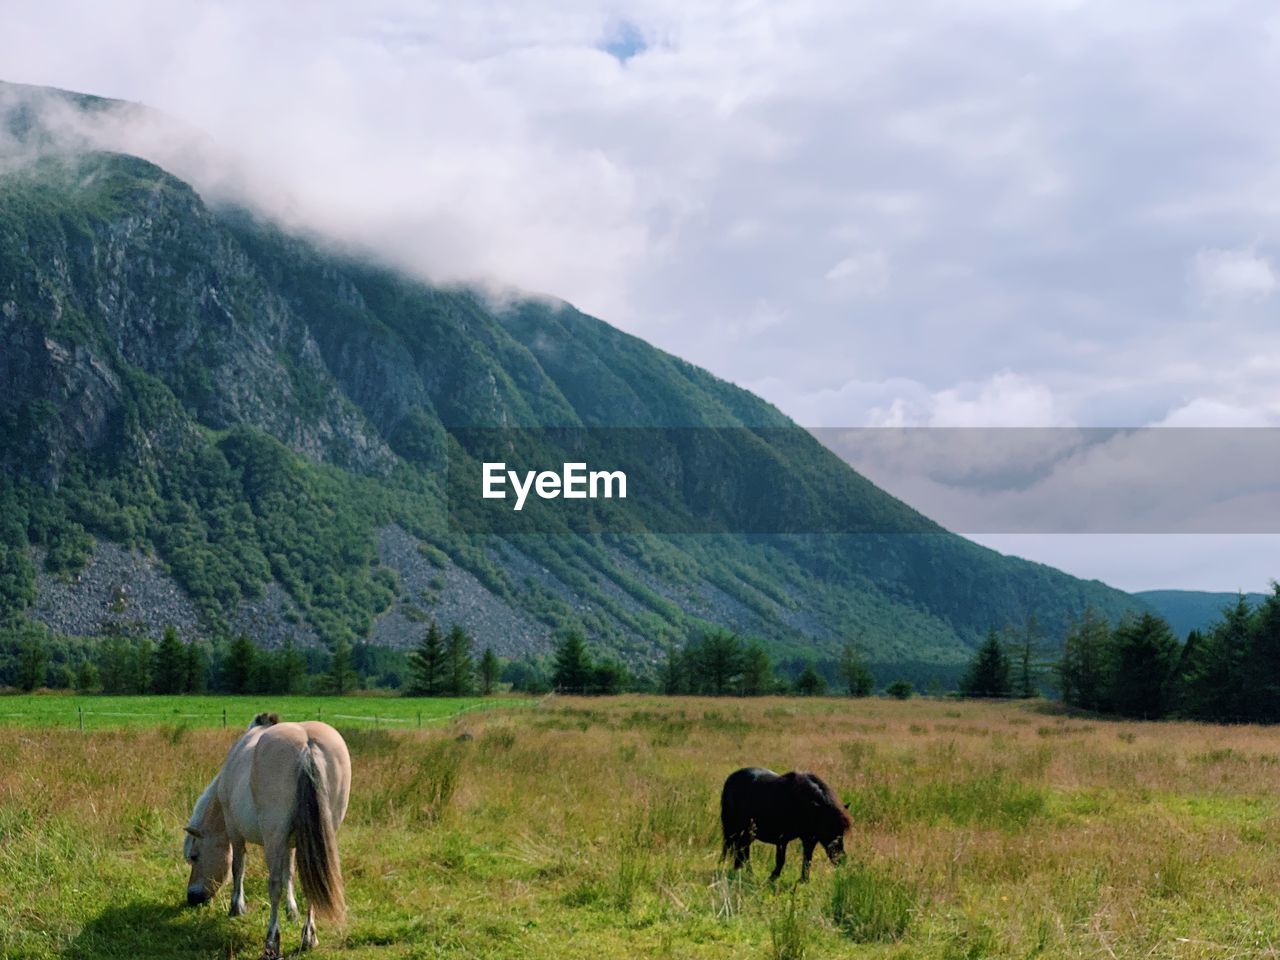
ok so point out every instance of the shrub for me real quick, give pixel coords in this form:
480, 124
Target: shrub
900, 689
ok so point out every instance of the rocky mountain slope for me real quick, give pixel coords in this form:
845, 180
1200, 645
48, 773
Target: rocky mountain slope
262, 430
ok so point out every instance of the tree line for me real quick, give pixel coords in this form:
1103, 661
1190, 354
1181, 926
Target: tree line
1229, 672
1135, 668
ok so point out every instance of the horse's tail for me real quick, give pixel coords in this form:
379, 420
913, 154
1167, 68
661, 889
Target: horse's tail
319, 868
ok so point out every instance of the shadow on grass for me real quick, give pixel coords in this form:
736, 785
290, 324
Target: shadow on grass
162, 931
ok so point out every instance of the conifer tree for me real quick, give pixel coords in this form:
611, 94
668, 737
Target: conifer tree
291, 667
988, 672
169, 664
459, 666
1026, 665
427, 665
572, 670
342, 678
1145, 656
757, 671
854, 671
239, 665
672, 679
1085, 668
489, 670
1262, 689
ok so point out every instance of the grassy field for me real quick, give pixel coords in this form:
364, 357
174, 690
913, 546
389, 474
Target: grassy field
588, 829
51, 711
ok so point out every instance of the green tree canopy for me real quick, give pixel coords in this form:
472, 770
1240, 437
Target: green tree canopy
988, 672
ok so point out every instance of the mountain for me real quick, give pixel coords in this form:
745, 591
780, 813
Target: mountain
1187, 610
210, 421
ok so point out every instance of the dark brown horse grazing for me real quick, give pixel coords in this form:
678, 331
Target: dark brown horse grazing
757, 804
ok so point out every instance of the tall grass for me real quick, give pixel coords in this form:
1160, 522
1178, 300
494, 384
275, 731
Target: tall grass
587, 829
789, 928
870, 906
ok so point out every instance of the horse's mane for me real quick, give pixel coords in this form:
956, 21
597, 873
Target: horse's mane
831, 803
265, 720
202, 804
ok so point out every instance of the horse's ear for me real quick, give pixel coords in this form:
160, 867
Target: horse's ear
194, 832
846, 806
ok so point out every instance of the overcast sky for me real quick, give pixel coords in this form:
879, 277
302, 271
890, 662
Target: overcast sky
1031, 213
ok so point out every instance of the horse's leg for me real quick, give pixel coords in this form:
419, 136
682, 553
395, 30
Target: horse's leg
309, 938
238, 906
808, 856
277, 848
782, 859
290, 901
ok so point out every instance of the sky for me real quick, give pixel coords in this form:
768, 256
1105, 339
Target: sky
1029, 213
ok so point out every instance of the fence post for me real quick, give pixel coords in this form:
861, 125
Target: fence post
419, 718
80, 710
224, 718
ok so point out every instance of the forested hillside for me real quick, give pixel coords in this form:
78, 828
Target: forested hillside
259, 421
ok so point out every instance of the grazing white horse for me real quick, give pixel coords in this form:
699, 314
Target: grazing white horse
283, 785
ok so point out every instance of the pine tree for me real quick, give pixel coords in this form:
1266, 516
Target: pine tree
239, 666
1026, 661
426, 665
459, 667
1084, 672
169, 662
715, 663
489, 670
113, 659
1262, 690
608, 677
988, 672
342, 678
1213, 667
757, 671
195, 668
1145, 654
573, 667
672, 679
291, 667
854, 671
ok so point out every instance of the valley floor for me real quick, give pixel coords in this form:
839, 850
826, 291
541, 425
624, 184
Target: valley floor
589, 829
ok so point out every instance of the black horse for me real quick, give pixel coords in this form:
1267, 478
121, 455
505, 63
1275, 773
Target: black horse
757, 804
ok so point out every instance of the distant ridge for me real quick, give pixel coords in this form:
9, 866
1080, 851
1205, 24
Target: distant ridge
1188, 610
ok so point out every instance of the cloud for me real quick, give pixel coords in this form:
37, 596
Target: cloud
861, 274
1232, 275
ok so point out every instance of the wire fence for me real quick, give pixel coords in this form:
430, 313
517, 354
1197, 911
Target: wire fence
82, 717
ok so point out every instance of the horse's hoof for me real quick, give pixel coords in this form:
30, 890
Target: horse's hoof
309, 939
237, 910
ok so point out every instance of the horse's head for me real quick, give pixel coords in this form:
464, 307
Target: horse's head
838, 823
210, 857
835, 849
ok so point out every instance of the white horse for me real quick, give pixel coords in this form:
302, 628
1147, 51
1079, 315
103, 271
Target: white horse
283, 785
